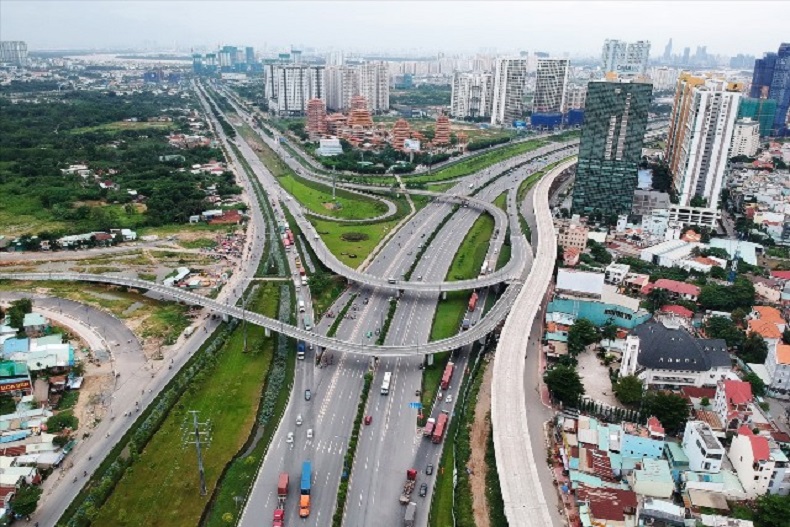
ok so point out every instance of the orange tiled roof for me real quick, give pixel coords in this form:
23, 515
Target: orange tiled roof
783, 353
766, 329
770, 314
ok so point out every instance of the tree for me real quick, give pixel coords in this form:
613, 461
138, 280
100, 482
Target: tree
656, 299
772, 510
738, 315
628, 389
61, 421
786, 335
25, 500
723, 328
16, 313
705, 402
609, 331
758, 386
671, 409
565, 384
754, 349
580, 335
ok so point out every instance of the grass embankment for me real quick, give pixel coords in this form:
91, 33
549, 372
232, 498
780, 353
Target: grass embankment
222, 394
240, 474
466, 265
315, 197
476, 163
496, 504
504, 252
352, 243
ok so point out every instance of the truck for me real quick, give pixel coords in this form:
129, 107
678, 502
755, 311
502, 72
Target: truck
304, 498
282, 489
484, 269
408, 487
447, 376
427, 430
441, 424
188, 331
290, 235
302, 271
301, 306
411, 514
308, 323
473, 302
300, 348
279, 518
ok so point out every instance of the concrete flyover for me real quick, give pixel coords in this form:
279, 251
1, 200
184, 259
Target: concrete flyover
525, 503
496, 314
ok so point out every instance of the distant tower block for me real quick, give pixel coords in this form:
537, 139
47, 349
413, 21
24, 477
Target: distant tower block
442, 135
316, 118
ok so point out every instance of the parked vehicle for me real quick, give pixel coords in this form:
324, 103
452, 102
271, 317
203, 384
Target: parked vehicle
408, 487
441, 424
304, 499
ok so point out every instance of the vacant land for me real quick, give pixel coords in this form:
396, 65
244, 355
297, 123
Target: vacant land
226, 395
120, 126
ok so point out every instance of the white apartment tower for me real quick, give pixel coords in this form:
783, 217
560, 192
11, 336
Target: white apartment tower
550, 86
625, 58
575, 97
745, 138
374, 85
701, 127
472, 95
288, 87
510, 79
370, 80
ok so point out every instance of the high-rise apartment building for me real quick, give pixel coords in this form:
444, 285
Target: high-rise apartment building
625, 58
575, 96
668, 51
611, 146
771, 80
472, 95
700, 136
316, 118
745, 138
13, 52
510, 79
288, 87
664, 78
760, 110
550, 86
374, 85
370, 80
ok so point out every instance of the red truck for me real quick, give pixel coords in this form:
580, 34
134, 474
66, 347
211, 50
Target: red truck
447, 376
427, 430
473, 302
282, 494
408, 487
441, 424
290, 235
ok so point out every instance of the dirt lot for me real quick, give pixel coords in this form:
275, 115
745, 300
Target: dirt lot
477, 462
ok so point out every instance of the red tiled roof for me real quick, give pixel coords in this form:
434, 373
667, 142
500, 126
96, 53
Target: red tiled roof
781, 437
737, 392
654, 425
760, 449
677, 310
698, 393
608, 504
781, 275
674, 286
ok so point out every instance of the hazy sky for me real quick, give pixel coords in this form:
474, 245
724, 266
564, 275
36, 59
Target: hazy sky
726, 27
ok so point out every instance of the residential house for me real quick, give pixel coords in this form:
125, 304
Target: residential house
777, 364
615, 273
703, 449
661, 513
676, 289
34, 324
733, 403
607, 507
750, 455
661, 354
767, 288
652, 478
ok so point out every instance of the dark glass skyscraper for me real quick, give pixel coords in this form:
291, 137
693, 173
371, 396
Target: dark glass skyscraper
611, 146
771, 80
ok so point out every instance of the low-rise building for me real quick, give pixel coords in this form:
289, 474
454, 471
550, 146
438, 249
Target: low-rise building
661, 354
675, 288
777, 364
652, 478
703, 449
572, 234
615, 273
733, 403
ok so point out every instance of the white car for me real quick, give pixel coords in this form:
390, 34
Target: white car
299, 420
448, 399
309, 433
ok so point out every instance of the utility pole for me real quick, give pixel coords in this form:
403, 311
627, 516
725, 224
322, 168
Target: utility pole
199, 434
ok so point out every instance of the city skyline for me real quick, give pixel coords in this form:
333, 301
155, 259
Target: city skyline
501, 27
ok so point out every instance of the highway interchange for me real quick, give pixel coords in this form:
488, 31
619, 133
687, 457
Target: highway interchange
392, 443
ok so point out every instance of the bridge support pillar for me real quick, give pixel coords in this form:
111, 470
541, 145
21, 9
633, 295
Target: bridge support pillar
429, 358
225, 317
267, 332
444, 295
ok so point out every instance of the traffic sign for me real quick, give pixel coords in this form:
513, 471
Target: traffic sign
416, 406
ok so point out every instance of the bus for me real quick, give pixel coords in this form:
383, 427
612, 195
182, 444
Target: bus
385, 386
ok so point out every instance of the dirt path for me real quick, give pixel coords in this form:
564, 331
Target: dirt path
477, 462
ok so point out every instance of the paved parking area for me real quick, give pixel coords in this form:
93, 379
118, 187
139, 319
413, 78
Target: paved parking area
595, 377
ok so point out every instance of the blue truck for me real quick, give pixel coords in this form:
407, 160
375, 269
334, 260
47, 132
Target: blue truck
304, 499
300, 348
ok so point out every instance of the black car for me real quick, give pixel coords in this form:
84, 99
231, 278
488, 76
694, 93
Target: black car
429, 469
307, 395
423, 490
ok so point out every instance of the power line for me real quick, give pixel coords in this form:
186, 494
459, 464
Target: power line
198, 434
